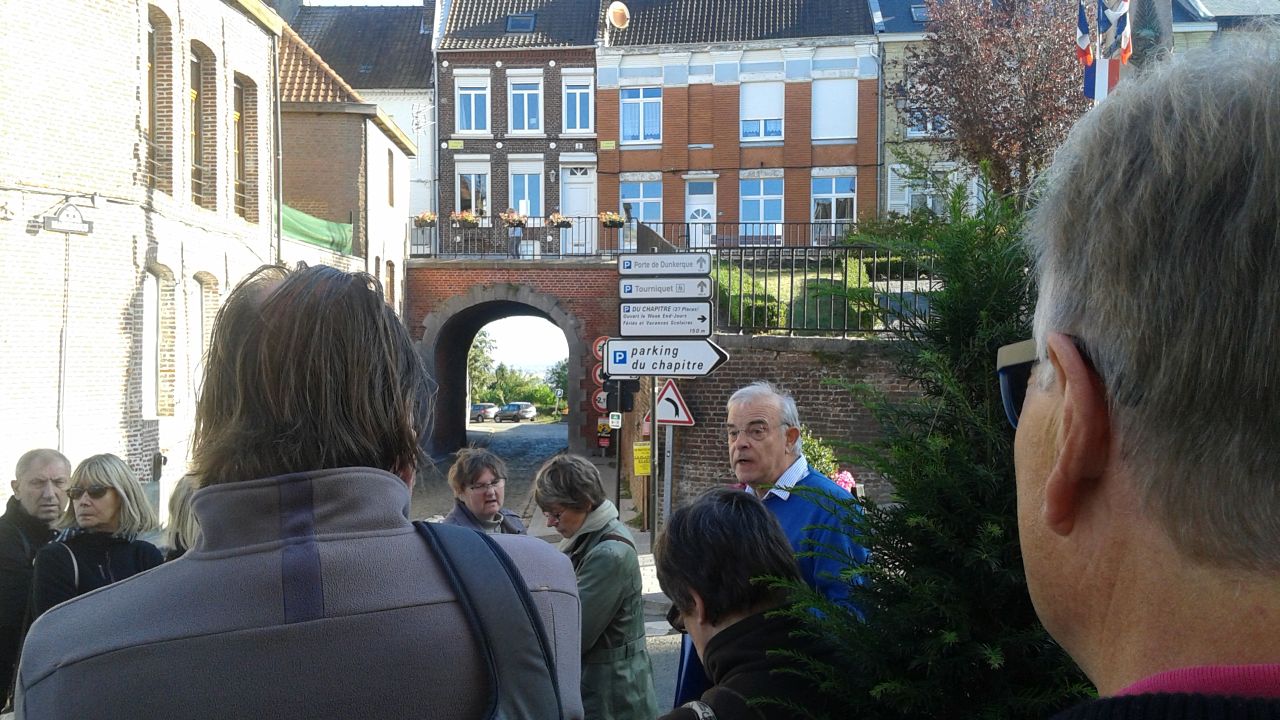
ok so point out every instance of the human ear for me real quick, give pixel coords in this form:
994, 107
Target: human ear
793, 437
1083, 435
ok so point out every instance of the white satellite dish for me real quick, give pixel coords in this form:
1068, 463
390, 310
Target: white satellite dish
618, 15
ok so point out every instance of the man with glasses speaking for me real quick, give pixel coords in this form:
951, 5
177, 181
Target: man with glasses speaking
1148, 403
763, 429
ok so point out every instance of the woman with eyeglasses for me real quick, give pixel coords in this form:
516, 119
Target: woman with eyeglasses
108, 510
617, 677
479, 478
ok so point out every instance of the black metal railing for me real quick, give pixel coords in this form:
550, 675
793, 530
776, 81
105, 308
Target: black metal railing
838, 290
770, 278
582, 236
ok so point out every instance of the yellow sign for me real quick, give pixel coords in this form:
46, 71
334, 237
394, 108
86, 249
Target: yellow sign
641, 458
608, 144
455, 144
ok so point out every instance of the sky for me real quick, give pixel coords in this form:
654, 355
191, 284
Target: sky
528, 343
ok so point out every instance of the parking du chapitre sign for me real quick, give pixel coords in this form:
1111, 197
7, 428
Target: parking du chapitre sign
693, 263
668, 357
664, 319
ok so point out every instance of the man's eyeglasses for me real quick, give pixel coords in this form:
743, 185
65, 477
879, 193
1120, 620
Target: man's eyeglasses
676, 620
97, 492
758, 430
482, 488
1013, 367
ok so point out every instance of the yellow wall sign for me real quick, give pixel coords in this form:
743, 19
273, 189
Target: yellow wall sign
608, 144
641, 458
455, 144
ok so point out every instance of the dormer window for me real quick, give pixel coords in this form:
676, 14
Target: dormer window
521, 22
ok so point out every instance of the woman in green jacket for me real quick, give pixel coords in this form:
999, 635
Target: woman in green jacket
617, 680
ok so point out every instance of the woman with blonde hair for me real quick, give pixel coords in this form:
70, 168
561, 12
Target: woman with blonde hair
108, 510
182, 530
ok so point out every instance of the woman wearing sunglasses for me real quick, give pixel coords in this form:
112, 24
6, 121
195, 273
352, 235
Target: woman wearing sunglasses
108, 511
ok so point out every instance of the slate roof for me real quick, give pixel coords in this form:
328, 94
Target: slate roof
681, 22
896, 14
372, 47
1241, 8
306, 77
482, 24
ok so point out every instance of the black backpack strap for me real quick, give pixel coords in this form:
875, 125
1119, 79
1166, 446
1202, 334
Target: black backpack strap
525, 683
619, 538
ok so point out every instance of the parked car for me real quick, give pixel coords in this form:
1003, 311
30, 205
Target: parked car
516, 411
483, 411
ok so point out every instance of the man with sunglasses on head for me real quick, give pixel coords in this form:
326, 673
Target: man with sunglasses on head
1148, 403
763, 428
39, 498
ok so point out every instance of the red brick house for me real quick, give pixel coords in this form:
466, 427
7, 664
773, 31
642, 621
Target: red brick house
757, 126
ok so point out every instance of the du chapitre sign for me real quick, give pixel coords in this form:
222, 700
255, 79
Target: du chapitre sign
664, 319
668, 358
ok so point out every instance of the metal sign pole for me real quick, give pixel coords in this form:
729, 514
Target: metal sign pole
653, 474
667, 451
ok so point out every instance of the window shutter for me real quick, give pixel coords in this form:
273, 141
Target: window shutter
898, 190
761, 100
835, 109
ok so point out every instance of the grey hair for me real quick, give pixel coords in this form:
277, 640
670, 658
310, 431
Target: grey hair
1156, 243
568, 481
136, 514
788, 414
31, 458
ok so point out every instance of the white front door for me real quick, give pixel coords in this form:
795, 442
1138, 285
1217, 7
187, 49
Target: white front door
700, 211
578, 201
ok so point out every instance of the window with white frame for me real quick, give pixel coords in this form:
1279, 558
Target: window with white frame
641, 201
524, 109
835, 109
760, 202
908, 192
472, 98
472, 191
578, 113
641, 114
832, 207
760, 110
526, 188
921, 124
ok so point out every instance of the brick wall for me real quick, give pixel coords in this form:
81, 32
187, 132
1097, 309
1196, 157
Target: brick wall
448, 302
801, 367
88, 289
325, 184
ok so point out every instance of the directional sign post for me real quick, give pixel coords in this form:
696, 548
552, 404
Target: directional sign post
672, 358
665, 319
664, 288
692, 263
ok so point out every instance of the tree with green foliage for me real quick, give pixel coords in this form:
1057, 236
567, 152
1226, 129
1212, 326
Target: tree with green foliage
557, 376
945, 627
512, 385
480, 362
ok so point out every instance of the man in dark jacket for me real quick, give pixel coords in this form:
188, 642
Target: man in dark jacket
39, 497
1146, 405
709, 562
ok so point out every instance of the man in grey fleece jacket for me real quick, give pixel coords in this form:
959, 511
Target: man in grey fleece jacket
310, 594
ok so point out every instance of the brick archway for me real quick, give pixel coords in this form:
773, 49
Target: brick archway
451, 306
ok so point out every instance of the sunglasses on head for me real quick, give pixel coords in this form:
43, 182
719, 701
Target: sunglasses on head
675, 619
97, 492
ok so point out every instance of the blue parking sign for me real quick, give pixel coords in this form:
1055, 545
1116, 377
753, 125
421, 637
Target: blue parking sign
626, 288
619, 357
626, 264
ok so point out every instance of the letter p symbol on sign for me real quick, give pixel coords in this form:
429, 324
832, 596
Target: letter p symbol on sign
619, 357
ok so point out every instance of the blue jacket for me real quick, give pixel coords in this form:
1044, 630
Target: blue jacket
798, 514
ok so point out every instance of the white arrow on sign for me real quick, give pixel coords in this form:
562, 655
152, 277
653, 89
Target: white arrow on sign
672, 409
675, 358
691, 263
670, 288
664, 319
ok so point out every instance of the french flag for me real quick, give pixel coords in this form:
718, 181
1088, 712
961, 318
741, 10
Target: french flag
1101, 73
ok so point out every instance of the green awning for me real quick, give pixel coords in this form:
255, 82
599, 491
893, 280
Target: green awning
311, 229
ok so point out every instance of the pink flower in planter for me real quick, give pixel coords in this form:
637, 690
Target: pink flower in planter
844, 479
